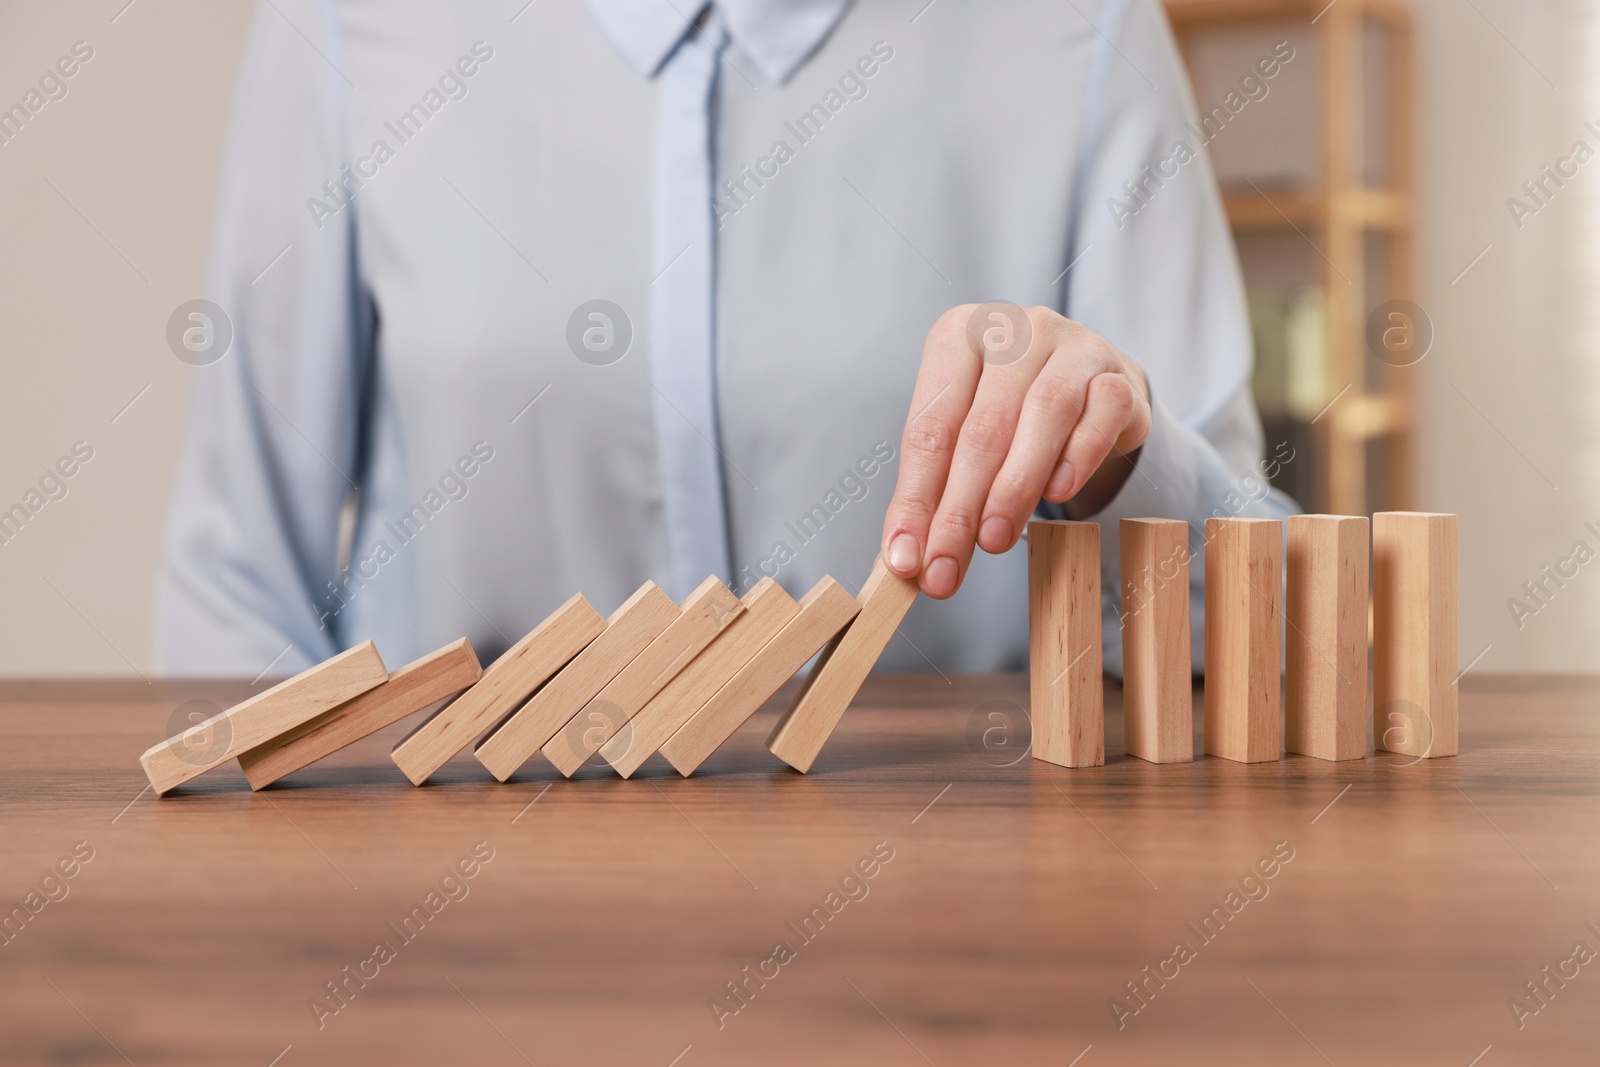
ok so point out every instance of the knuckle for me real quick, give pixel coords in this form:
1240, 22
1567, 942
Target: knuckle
951, 327
1084, 346
988, 431
958, 521
1071, 332
928, 435
1114, 391
1010, 490
1057, 396
911, 511
1045, 321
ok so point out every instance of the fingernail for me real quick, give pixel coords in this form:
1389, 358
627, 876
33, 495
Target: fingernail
995, 534
904, 554
939, 579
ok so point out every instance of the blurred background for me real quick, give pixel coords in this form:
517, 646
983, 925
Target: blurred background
1425, 322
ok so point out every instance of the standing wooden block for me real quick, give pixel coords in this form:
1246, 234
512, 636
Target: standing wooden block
842, 668
767, 609
1157, 660
264, 716
1064, 654
505, 684
1244, 646
706, 612
822, 613
1325, 689
1414, 633
629, 631
413, 687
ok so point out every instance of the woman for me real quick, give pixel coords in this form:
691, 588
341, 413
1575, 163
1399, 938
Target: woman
529, 300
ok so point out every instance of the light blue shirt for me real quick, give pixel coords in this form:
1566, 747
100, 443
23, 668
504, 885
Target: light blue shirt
529, 300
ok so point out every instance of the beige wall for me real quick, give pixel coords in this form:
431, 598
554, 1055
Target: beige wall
134, 145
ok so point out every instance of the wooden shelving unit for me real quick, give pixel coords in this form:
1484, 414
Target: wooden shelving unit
1337, 214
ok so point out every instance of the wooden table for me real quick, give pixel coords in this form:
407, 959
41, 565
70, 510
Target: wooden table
1019, 900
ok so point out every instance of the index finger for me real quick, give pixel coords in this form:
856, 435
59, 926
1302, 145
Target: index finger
946, 384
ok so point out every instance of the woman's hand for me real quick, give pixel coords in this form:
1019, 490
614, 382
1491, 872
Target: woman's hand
1012, 406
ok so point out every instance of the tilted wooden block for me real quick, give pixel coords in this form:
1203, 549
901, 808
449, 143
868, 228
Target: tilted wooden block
1325, 688
413, 687
1066, 689
264, 716
1244, 578
1415, 700
1157, 661
506, 683
823, 612
629, 631
842, 668
706, 613
767, 609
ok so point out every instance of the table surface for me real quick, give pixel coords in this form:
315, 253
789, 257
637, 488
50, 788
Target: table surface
1020, 899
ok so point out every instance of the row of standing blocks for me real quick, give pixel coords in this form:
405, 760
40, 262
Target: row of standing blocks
653, 676
1286, 655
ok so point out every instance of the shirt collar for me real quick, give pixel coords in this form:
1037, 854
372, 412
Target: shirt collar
777, 36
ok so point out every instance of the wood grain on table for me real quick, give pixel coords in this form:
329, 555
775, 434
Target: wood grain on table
1010, 902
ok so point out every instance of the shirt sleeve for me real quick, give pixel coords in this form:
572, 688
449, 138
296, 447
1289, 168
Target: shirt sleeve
1156, 274
272, 445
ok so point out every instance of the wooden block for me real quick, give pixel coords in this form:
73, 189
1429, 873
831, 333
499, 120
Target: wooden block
432, 678
1157, 661
1244, 646
1066, 689
1414, 633
767, 609
264, 716
706, 612
629, 631
1325, 688
842, 668
822, 613
506, 683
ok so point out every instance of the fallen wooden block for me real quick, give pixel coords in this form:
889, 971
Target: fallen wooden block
1244, 577
1415, 700
413, 687
767, 609
1157, 661
843, 666
822, 613
506, 683
264, 716
1325, 687
1065, 688
705, 613
629, 630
